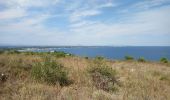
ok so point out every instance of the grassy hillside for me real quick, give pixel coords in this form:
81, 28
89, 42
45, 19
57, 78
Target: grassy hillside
60, 76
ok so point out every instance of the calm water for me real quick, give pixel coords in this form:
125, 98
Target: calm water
149, 53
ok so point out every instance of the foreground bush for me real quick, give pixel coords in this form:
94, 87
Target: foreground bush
103, 76
50, 72
141, 59
164, 60
129, 58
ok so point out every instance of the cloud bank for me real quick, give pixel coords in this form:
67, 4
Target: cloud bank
85, 22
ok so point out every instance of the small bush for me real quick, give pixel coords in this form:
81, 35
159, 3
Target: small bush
103, 76
61, 54
29, 53
164, 78
105, 71
13, 52
86, 57
141, 59
129, 58
164, 60
50, 72
1, 52
99, 58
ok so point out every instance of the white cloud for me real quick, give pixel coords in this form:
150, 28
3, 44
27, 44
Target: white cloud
147, 23
81, 10
79, 15
82, 24
30, 26
151, 21
29, 3
109, 4
12, 13
150, 3
27, 25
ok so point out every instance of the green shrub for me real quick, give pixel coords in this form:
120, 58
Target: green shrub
103, 76
13, 52
104, 70
129, 58
164, 78
50, 72
99, 58
86, 57
1, 51
164, 60
61, 54
141, 59
29, 53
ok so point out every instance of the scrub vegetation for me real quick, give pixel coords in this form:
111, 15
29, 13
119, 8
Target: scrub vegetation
62, 76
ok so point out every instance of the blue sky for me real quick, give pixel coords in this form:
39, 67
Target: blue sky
85, 22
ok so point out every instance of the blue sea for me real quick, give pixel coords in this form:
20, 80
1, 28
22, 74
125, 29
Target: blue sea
148, 52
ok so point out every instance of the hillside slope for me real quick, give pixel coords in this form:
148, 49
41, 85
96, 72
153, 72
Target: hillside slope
87, 79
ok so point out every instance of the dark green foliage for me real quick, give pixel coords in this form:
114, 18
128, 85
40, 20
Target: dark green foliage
164, 60
50, 72
55, 53
99, 58
60, 54
86, 57
104, 70
1, 51
29, 53
141, 59
163, 78
129, 58
9, 51
103, 76
12, 51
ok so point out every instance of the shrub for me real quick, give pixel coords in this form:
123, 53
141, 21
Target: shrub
50, 72
13, 52
61, 54
1, 51
164, 78
86, 57
141, 59
164, 60
99, 58
29, 53
129, 58
103, 76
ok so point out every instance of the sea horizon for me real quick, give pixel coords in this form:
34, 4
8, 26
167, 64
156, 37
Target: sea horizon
151, 53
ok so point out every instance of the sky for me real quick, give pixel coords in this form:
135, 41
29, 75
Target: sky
85, 22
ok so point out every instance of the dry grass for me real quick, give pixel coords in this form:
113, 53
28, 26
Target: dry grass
139, 80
